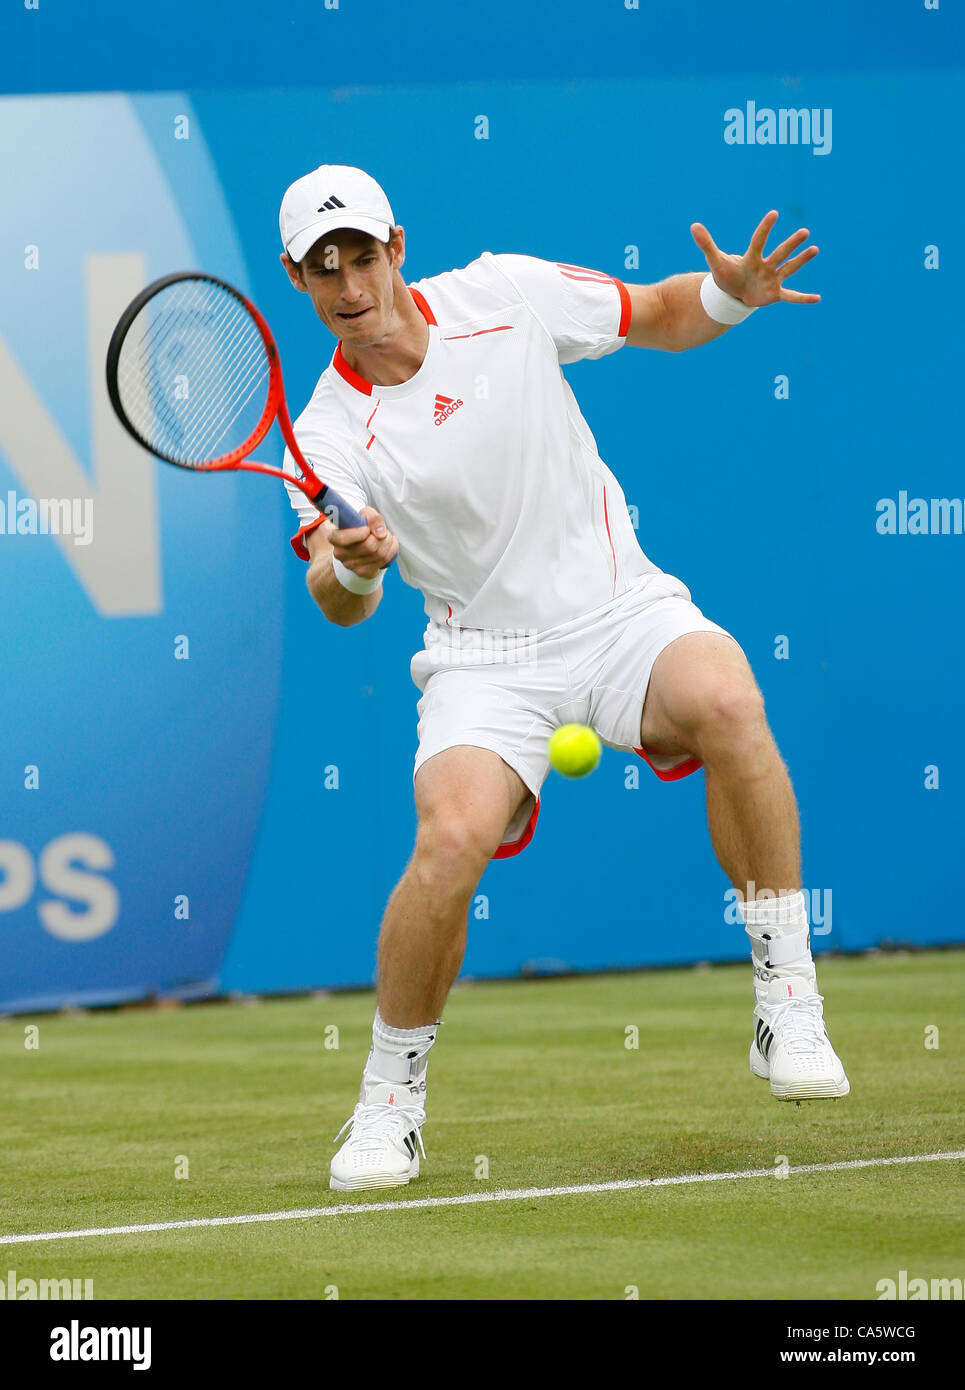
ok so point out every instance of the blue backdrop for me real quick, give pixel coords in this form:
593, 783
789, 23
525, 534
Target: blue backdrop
165, 823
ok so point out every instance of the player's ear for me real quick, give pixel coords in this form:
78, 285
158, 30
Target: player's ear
294, 272
396, 247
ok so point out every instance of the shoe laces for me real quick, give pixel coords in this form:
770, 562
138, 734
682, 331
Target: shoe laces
371, 1125
799, 1023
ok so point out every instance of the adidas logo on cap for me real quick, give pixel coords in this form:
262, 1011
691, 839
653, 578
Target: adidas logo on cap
331, 205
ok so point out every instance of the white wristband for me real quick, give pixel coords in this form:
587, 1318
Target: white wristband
721, 306
354, 582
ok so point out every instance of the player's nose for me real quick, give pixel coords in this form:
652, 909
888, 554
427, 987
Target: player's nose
351, 292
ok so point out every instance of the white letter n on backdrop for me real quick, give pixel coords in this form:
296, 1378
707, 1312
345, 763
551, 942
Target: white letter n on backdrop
120, 569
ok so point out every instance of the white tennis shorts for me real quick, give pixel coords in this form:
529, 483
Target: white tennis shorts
508, 691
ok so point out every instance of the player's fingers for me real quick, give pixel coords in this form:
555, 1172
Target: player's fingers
796, 262
761, 232
386, 550
376, 521
380, 549
795, 297
362, 550
779, 252
703, 239
348, 535
369, 566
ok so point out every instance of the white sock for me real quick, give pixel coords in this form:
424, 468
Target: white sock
776, 916
399, 1057
780, 940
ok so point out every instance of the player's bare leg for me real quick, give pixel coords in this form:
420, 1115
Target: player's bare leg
703, 700
465, 799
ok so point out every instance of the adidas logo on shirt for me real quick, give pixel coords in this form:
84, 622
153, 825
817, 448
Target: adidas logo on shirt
445, 406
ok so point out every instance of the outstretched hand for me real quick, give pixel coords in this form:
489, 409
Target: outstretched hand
754, 278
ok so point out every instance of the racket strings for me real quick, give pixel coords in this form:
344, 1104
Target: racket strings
199, 307
223, 408
225, 373
161, 336
193, 373
227, 333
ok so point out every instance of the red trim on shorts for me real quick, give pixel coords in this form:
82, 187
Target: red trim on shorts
626, 308
514, 846
298, 544
672, 774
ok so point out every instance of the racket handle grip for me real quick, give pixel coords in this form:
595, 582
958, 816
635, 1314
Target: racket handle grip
338, 511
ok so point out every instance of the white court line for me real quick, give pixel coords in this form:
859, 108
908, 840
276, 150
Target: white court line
470, 1199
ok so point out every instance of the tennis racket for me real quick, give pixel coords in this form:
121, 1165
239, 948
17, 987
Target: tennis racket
194, 375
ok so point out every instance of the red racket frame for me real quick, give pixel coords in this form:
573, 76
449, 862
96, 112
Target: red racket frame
322, 497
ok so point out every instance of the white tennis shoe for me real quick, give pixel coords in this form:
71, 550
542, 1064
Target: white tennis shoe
383, 1146
791, 1047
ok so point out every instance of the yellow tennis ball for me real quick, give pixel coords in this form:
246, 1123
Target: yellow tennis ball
574, 750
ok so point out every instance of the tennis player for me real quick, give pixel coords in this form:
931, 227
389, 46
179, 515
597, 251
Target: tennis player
445, 419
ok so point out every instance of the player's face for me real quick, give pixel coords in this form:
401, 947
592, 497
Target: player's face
349, 277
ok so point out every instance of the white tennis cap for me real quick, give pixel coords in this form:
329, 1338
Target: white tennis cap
332, 196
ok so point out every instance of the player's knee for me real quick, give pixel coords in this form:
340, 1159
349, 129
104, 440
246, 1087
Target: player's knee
731, 716
452, 849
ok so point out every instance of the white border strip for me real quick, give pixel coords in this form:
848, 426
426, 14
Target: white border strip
470, 1199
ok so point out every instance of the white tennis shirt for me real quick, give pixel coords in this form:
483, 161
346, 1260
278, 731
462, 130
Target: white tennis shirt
482, 463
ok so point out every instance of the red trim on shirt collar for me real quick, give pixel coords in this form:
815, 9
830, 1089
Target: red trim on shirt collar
350, 375
422, 306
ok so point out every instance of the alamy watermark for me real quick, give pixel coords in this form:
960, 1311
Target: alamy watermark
47, 516
916, 1290
817, 902
27, 1290
754, 125
452, 645
76, 1343
919, 516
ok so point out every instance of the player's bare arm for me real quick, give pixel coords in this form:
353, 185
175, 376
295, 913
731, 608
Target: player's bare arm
364, 552
669, 314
